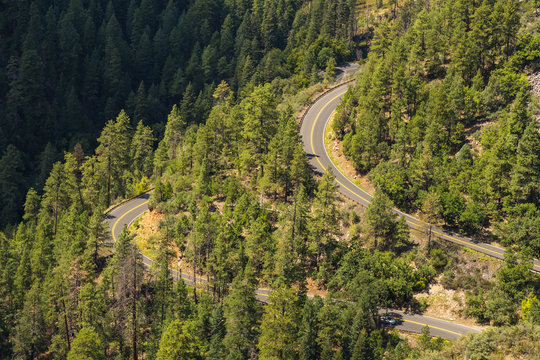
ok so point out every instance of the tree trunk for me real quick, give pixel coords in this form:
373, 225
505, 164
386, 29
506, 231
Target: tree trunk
109, 180
194, 270
134, 307
56, 211
66, 323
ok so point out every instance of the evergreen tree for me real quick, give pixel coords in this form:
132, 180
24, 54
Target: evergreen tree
309, 348
240, 309
325, 223
259, 123
331, 69
525, 179
279, 327
73, 177
31, 206
11, 171
141, 150
55, 198
216, 349
180, 342
30, 330
380, 221
128, 279
361, 350
113, 155
86, 345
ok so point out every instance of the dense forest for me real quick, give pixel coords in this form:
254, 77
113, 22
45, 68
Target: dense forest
68, 67
442, 119
197, 99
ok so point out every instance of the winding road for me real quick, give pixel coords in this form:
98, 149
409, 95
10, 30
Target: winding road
312, 131
129, 211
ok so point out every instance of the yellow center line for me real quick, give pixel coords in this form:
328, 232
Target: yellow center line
197, 282
123, 215
423, 324
468, 244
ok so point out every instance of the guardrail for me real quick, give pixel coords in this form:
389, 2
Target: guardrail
313, 101
111, 208
423, 227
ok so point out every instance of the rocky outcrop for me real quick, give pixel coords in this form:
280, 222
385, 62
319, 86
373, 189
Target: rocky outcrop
534, 80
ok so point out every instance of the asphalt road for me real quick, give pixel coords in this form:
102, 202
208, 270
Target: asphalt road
312, 130
127, 212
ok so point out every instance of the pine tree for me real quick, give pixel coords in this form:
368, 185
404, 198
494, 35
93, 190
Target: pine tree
141, 150
113, 155
331, 69
164, 281
187, 106
227, 34
325, 226
380, 221
182, 305
216, 350
240, 310
258, 110
73, 177
55, 198
31, 86
31, 206
29, 337
180, 342
173, 131
259, 243
361, 350
11, 173
128, 279
279, 327
309, 347
525, 178
86, 345
141, 107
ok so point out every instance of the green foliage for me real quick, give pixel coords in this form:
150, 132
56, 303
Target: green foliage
180, 342
507, 342
86, 346
241, 311
216, 349
427, 85
279, 327
382, 228
233, 182
12, 167
67, 69
309, 348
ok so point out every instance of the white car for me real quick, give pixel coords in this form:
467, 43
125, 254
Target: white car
388, 320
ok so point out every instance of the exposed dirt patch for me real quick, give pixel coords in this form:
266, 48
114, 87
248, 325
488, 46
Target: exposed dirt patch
313, 288
445, 297
534, 80
148, 224
147, 232
446, 304
148, 235
473, 133
335, 150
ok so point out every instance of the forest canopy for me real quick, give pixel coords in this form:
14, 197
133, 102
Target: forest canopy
68, 67
199, 100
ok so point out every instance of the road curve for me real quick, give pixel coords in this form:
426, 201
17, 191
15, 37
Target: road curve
312, 131
126, 213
